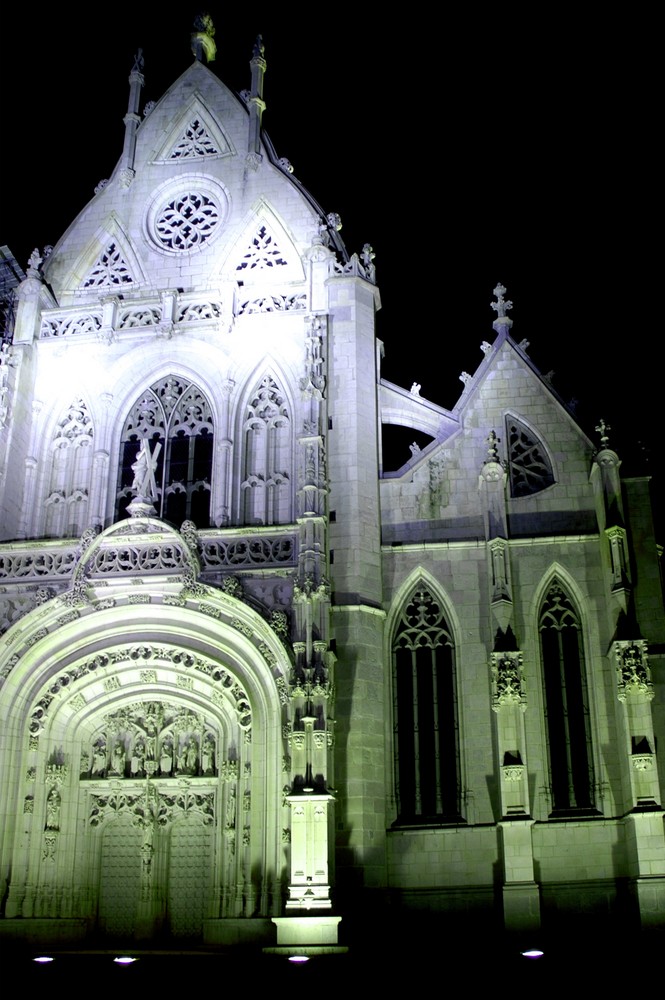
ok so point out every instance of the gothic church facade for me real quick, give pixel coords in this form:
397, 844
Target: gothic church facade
250, 685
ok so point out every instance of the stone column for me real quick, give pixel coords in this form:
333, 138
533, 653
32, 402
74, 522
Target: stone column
521, 898
645, 832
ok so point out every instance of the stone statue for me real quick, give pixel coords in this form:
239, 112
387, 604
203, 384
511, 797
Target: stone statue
144, 470
192, 756
166, 758
137, 759
118, 764
99, 759
53, 810
208, 756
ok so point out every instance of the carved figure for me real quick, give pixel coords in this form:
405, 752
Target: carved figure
144, 467
192, 757
34, 260
138, 758
208, 756
166, 759
99, 759
118, 763
53, 810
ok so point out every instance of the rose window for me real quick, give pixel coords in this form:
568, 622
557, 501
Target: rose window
187, 221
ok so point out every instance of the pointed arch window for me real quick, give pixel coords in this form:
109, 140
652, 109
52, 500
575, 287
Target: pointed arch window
266, 481
66, 504
175, 414
566, 704
426, 738
529, 463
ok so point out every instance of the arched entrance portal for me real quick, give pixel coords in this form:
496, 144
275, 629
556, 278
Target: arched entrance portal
143, 715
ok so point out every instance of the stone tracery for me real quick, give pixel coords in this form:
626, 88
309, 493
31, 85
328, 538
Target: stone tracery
187, 221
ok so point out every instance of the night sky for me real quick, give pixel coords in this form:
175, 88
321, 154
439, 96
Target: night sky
481, 147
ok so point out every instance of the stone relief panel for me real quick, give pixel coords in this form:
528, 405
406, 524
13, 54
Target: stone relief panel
435, 495
152, 739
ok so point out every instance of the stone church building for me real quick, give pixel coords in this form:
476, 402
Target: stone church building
253, 688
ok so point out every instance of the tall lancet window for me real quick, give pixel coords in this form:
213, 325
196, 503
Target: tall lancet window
425, 715
176, 419
566, 703
66, 504
266, 482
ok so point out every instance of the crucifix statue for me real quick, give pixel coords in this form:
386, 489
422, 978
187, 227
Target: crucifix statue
144, 467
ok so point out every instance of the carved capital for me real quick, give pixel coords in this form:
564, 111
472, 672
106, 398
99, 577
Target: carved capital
632, 667
508, 687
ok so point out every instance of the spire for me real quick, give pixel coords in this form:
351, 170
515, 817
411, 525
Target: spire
203, 38
132, 119
256, 103
500, 307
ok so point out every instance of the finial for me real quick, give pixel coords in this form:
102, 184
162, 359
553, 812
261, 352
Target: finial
367, 255
34, 263
138, 62
259, 49
203, 38
500, 307
492, 451
602, 429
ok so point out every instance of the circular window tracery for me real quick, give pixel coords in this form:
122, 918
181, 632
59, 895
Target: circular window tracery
185, 215
187, 221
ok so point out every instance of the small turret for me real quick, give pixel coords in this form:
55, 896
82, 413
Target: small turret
132, 119
256, 103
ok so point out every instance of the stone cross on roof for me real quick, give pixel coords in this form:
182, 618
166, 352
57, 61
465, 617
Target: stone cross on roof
501, 305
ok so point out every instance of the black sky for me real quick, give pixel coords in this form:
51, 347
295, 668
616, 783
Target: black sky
478, 147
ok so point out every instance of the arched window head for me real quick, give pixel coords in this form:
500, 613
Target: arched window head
175, 414
566, 703
426, 739
529, 464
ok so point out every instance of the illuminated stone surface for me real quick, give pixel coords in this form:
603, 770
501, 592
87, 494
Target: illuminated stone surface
245, 674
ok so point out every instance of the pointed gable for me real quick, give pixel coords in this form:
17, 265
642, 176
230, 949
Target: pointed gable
264, 251
196, 134
108, 261
110, 270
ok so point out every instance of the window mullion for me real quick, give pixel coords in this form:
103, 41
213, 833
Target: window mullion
416, 735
